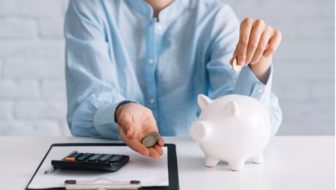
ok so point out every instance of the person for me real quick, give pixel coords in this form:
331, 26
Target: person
137, 66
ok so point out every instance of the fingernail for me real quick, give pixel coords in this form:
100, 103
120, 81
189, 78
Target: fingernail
231, 60
241, 62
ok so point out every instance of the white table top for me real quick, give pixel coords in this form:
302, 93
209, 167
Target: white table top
291, 162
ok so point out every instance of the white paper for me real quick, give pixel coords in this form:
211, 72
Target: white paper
150, 172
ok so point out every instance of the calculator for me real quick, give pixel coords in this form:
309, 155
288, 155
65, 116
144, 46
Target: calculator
91, 161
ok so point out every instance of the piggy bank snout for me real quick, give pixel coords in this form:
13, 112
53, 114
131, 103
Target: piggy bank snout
200, 130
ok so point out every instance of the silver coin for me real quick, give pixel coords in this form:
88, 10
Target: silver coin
235, 65
151, 139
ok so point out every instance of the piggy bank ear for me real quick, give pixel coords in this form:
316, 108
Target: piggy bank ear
232, 108
203, 101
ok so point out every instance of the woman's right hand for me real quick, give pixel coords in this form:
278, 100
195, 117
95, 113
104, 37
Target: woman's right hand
135, 121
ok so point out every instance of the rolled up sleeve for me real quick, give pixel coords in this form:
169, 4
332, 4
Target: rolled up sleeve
224, 80
92, 90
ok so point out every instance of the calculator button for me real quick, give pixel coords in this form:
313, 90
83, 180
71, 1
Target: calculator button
115, 158
105, 157
69, 159
84, 156
91, 161
73, 154
77, 155
95, 157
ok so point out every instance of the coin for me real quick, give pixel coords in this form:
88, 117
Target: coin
150, 139
235, 65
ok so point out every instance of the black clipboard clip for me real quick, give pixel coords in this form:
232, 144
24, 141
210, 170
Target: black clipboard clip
101, 184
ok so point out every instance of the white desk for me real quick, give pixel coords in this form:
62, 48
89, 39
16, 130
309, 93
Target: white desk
291, 163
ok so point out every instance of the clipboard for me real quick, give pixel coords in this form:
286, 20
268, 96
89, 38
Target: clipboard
171, 162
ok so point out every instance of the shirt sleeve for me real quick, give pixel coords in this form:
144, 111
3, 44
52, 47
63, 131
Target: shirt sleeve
224, 80
92, 90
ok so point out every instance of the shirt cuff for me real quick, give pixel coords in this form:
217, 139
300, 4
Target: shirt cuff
104, 121
248, 84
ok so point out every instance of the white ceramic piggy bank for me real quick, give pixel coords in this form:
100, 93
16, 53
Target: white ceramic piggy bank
232, 128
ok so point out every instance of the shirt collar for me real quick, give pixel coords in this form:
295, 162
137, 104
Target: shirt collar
168, 14
142, 7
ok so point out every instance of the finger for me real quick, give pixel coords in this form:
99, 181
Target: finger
245, 31
138, 147
130, 132
256, 33
149, 125
134, 143
126, 122
158, 149
149, 122
133, 132
263, 43
273, 44
233, 57
153, 153
160, 141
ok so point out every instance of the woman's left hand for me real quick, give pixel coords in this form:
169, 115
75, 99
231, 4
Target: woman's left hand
257, 44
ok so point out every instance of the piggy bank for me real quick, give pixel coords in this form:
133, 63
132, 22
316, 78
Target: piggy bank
232, 128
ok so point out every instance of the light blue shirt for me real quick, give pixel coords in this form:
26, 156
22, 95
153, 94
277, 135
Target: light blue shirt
116, 51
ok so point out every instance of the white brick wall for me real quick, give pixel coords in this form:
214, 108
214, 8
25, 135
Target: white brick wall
304, 64
18, 28
26, 68
32, 86
19, 89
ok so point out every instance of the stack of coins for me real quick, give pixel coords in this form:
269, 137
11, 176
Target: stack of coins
150, 139
235, 65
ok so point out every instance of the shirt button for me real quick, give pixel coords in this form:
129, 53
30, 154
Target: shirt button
159, 27
152, 101
150, 61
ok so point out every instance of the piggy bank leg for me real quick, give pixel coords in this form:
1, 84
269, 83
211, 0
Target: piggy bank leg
237, 164
258, 159
211, 162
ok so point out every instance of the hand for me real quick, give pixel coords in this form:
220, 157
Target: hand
134, 122
257, 44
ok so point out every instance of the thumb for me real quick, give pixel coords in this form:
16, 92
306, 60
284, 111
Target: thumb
232, 58
149, 125
127, 124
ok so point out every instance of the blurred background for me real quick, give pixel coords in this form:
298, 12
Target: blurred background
32, 86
